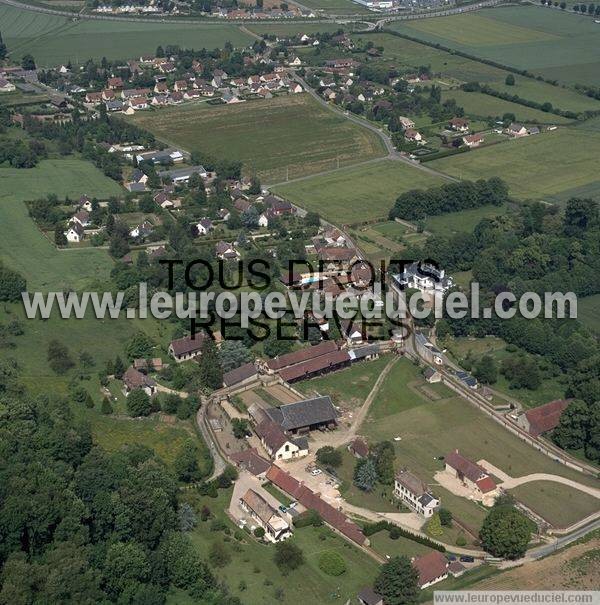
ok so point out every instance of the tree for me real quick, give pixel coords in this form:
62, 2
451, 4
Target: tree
241, 428
28, 63
365, 475
125, 565
329, 456
332, 563
233, 354
186, 462
60, 239
384, 455
11, 285
434, 526
139, 346
445, 517
59, 358
510, 80
138, 403
505, 532
288, 556
397, 582
118, 368
218, 555
211, 373
106, 407
571, 432
485, 370
3, 50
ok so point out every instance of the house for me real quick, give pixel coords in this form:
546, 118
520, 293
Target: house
114, 105
304, 416
329, 94
277, 444
544, 418
114, 83
296, 88
432, 568
473, 140
74, 233
466, 379
85, 203
431, 375
82, 217
137, 182
164, 199
182, 175
155, 364
161, 157
239, 376
424, 277
354, 332
250, 460
188, 347
6, 86
533, 130
367, 596
134, 379
224, 214
295, 62
276, 528
226, 251
277, 206
516, 130
427, 350
204, 226
415, 493
410, 134
359, 448
142, 230
263, 220
180, 86
138, 103
471, 475
93, 97
108, 95
176, 98
459, 124
456, 569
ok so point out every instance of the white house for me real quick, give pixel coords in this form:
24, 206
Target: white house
416, 494
82, 218
423, 277
263, 220
277, 444
6, 86
204, 226
134, 379
276, 528
74, 233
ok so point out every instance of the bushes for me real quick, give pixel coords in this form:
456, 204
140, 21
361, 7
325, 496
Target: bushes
307, 518
11, 285
370, 529
332, 563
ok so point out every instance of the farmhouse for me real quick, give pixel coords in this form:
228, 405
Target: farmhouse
304, 416
416, 494
251, 461
543, 418
276, 528
277, 444
134, 379
471, 475
244, 374
187, 347
432, 568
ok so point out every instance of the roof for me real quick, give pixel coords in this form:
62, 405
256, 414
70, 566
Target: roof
545, 417
360, 447
134, 379
292, 416
456, 568
430, 566
429, 372
368, 596
239, 374
187, 344
252, 461
263, 510
337, 253
486, 484
412, 483
327, 346
182, 172
306, 368
272, 434
469, 469
310, 500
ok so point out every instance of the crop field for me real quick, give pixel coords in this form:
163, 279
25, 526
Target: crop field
357, 194
285, 135
477, 104
555, 44
562, 505
53, 40
402, 409
588, 312
22, 246
568, 169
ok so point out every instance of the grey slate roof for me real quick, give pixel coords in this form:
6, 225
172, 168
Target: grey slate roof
292, 416
239, 374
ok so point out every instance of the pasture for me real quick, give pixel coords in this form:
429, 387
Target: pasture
288, 135
479, 105
357, 194
53, 40
22, 246
462, 222
431, 422
568, 169
555, 44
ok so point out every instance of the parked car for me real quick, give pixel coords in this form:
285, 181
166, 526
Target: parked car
282, 508
467, 559
315, 472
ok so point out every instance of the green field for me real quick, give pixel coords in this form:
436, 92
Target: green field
559, 504
53, 39
588, 312
349, 387
357, 194
253, 564
272, 136
455, 70
431, 427
463, 221
553, 166
555, 44
23, 247
337, 7
479, 105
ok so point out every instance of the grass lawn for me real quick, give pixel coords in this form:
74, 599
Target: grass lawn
53, 40
462, 222
24, 248
269, 136
348, 387
430, 429
588, 312
252, 563
555, 44
559, 504
384, 545
357, 194
277, 493
560, 176
480, 105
